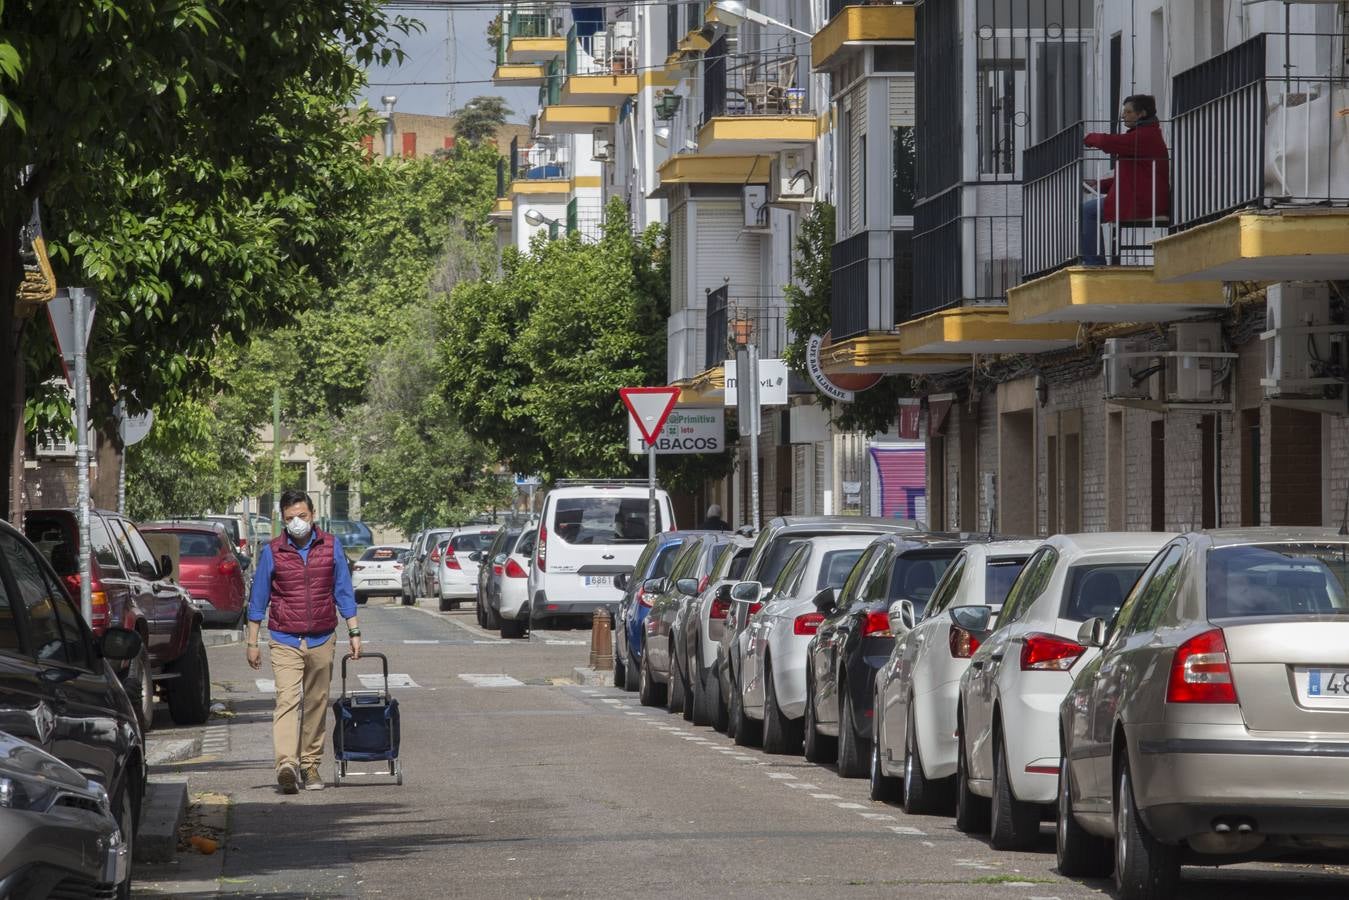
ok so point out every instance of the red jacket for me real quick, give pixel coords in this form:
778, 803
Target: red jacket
303, 600
1141, 185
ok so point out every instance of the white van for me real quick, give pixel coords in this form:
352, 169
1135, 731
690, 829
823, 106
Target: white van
589, 532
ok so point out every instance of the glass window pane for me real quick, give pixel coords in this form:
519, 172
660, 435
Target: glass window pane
56, 636
601, 520
1278, 580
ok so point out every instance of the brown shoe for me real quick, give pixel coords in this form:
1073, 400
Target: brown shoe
313, 781
288, 778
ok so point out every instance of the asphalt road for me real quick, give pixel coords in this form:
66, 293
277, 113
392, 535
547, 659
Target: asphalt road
518, 784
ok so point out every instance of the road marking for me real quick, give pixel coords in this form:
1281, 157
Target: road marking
375, 682
879, 817
633, 712
611, 700
805, 785
850, 806
566, 643
266, 685
785, 776
744, 758
412, 641
928, 844
492, 681
498, 641
826, 796
910, 830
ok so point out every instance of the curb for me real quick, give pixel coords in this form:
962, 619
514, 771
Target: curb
214, 637
162, 813
163, 751
584, 675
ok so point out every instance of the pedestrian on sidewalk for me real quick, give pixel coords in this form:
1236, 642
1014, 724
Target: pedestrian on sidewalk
713, 520
302, 575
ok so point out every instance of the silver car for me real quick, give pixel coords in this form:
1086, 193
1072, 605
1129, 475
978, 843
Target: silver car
1214, 724
58, 836
773, 673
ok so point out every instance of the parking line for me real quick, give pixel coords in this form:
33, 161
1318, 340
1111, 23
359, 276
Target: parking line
909, 830
785, 776
805, 785
850, 805
879, 817
826, 796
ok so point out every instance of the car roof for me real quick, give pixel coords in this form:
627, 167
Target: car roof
591, 490
1228, 537
212, 527
1103, 543
907, 541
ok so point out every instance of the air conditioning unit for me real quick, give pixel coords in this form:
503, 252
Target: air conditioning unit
1304, 346
754, 201
624, 29
602, 149
792, 175
1198, 368
1125, 366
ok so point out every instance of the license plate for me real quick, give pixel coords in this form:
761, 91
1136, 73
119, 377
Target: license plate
1323, 686
598, 579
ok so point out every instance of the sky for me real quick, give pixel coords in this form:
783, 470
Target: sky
429, 59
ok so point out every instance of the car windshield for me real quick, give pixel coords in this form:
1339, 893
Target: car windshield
1278, 580
915, 577
601, 520
998, 578
469, 541
196, 543
380, 554
1098, 591
835, 567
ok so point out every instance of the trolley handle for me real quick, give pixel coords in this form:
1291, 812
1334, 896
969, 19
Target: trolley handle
384, 661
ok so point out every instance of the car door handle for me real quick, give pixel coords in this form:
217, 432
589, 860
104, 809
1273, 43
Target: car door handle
997, 657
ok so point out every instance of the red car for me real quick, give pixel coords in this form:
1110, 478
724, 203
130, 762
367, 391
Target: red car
209, 568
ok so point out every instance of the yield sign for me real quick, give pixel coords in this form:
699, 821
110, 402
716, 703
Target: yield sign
649, 408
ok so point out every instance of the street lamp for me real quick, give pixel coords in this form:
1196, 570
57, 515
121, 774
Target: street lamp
538, 219
733, 12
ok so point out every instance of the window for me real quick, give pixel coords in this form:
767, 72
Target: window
1278, 580
915, 576
139, 547
879, 575
379, 554
469, 541
200, 544
527, 542
949, 587
1098, 591
52, 621
1155, 597
128, 555
790, 576
10, 641
902, 170
1029, 585
776, 557
664, 561
601, 520
999, 576
835, 567
853, 586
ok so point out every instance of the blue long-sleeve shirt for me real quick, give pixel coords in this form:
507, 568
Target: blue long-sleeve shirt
343, 592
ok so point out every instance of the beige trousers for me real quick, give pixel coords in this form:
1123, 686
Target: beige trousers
302, 675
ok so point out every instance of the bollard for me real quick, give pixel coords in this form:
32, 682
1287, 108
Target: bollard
601, 640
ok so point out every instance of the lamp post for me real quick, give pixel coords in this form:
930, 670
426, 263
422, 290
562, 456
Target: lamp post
537, 219
747, 402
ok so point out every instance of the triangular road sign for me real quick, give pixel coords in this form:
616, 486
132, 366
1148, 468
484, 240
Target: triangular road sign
649, 408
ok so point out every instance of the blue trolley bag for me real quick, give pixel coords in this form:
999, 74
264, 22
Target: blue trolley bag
366, 726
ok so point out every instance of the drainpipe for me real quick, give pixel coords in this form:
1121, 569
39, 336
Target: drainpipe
388, 100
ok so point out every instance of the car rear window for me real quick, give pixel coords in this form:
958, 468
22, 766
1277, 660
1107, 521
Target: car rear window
835, 566
200, 544
1098, 591
915, 577
601, 520
664, 561
380, 554
776, 558
1278, 580
469, 541
231, 526
998, 578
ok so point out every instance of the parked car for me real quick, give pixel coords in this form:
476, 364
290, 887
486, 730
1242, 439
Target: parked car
510, 595
916, 690
639, 592
589, 534
378, 572
1010, 694
703, 621
491, 568
129, 590
237, 529
209, 568
355, 537
59, 836
773, 670
457, 577
432, 568
773, 547
689, 574
855, 639
1211, 726
58, 688
419, 569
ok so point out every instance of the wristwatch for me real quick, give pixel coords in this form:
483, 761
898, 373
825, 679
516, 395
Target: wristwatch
353, 632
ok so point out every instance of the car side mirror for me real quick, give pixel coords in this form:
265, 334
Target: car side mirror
687, 586
475, 556
147, 570
746, 591
120, 644
165, 566
654, 586
620, 580
826, 600
1093, 632
500, 560
972, 618
902, 616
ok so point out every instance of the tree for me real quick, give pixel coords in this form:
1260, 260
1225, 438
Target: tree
194, 164
478, 121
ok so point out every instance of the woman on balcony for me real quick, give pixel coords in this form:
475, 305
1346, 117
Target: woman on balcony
1139, 193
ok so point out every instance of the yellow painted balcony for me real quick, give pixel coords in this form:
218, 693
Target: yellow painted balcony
880, 353
519, 75
575, 119
598, 89
854, 26
1276, 245
983, 330
537, 49
1109, 294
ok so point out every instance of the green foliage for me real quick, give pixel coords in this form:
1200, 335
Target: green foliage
809, 312
480, 118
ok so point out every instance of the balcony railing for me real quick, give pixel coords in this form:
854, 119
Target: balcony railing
501, 177
752, 84
611, 51
762, 319
962, 259
539, 162
586, 219
550, 92
531, 23
1063, 177
837, 6
856, 304
1251, 133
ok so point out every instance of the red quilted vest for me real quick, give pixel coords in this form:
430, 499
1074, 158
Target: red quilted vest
303, 601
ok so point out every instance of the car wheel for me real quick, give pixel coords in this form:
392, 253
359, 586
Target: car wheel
1016, 824
190, 694
631, 678
1080, 853
674, 689
852, 749
649, 693
620, 677
361, 599
921, 795
512, 629
819, 748
747, 730
881, 787
717, 715
1145, 868
490, 620
140, 690
726, 693
780, 734
408, 599
971, 810
445, 604
124, 809
477, 611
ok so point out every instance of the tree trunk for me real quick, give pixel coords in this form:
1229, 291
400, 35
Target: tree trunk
11, 423
108, 456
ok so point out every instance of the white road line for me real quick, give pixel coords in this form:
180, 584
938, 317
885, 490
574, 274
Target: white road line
492, 681
744, 758
266, 685
804, 785
611, 700
411, 641
633, 712
374, 681
850, 805
879, 817
785, 776
914, 832
566, 643
826, 796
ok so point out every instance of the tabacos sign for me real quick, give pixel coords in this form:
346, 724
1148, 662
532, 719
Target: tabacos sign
842, 388
685, 431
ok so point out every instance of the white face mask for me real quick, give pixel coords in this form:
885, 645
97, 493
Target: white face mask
298, 528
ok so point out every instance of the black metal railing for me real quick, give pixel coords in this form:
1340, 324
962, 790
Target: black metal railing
962, 259
849, 287
752, 84
761, 320
1251, 131
515, 157
902, 253
1126, 193
716, 330
501, 176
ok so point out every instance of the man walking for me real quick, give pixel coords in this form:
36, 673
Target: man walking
302, 575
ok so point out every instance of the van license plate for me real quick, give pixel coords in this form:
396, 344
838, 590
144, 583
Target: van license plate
598, 579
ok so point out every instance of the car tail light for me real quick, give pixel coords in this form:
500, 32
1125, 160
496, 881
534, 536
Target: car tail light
496, 569
807, 623
963, 643
1201, 671
753, 608
1049, 652
642, 598
877, 624
452, 561
719, 609
100, 614
514, 569
243, 545
229, 565
541, 555
435, 554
